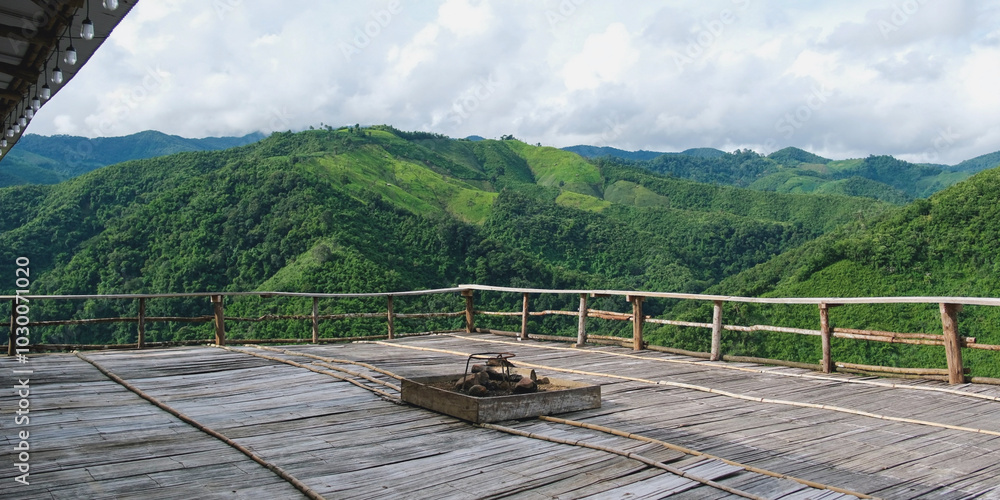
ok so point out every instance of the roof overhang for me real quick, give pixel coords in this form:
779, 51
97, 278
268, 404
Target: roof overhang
34, 35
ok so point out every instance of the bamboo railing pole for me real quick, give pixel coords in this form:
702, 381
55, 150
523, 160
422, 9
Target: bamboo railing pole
391, 317
716, 331
315, 320
637, 321
825, 333
524, 317
952, 345
13, 327
470, 311
140, 341
220, 321
581, 329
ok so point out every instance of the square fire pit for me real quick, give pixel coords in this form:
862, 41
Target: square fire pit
562, 396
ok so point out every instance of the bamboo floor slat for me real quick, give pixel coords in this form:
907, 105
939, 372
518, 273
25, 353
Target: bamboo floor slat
95, 439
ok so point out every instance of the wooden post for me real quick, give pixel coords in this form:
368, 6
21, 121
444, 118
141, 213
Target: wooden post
315, 320
952, 345
220, 321
825, 333
470, 311
524, 317
13, 327
637, 321
581, 329
141, 340
716, 353
392, 319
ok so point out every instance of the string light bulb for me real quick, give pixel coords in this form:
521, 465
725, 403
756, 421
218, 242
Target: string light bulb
46, 92
10, 131
35, 103
29, 113
16, 127
22, 120
3, 142
57, 76
111, 4
87, 28
70, 55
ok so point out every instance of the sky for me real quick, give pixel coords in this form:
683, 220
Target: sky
917, 79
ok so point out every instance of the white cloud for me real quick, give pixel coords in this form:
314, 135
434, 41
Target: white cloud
601, 74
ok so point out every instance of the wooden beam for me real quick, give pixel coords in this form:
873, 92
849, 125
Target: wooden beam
524, 317
18, 71
716, 353
581, 328
220, 320
637, 321
825, 334
470, 311
391, 317
140, 340
952, 347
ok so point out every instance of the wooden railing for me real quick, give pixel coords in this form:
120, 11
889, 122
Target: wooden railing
20, 327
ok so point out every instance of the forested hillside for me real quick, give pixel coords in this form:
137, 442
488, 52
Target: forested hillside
50, 159
942, 246
378, 209
792, 170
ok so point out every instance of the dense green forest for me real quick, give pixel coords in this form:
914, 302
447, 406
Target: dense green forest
378, 210
792, 170
39, 159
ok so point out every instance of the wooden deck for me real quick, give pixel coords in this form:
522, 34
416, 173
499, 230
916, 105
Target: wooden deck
93, 438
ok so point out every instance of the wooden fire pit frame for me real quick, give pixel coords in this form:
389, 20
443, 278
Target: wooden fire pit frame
577, 396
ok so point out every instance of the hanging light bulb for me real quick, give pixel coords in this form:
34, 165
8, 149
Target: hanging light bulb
70, 55
35, 103
46, 92
57, 76
3, 142
10, 131
111, 4
87, 29
29, 113
16, 127
22, 120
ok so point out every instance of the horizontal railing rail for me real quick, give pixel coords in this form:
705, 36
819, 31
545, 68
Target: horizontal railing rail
949, 308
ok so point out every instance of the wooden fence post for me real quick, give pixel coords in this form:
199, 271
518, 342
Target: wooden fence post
470, 311
825, 333
220, 321
315, 320
637, 321
524, 318
581, 328
392, 318
13, 327
952, 344
141, 339
716, 353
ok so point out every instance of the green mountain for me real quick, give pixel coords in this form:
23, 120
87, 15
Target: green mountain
945, 245
979, 163
598, 151
378, 209
38, 159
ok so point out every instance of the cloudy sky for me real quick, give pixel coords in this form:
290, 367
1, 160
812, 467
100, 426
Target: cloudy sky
918, 79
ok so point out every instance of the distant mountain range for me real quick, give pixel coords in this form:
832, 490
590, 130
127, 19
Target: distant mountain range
39, 159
